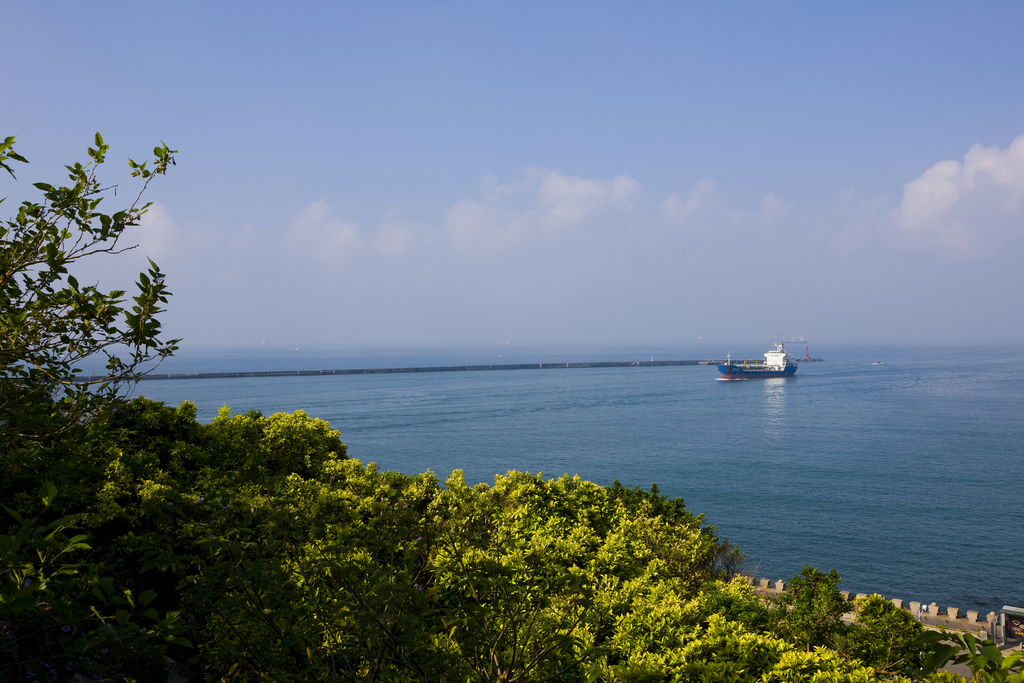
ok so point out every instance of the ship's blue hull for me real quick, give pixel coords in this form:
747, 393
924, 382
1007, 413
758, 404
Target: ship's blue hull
733, 371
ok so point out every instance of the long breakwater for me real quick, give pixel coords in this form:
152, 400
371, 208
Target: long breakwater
436, 368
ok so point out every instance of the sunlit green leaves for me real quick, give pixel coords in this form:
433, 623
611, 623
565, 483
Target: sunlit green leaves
984, 657
7, 153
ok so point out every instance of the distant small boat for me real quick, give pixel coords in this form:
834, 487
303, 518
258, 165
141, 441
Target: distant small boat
878, 362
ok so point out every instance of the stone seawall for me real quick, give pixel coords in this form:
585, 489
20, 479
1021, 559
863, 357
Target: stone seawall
990, 625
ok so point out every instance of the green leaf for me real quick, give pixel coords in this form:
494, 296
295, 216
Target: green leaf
13, 513
1012, 659
942, 654
47, 492
992, 653
929, 637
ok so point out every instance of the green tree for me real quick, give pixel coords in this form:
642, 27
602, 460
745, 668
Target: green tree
50, 323
884, 636
510, 572
809, 614
54, 606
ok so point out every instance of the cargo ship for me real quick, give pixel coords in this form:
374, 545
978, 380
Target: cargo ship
776, 364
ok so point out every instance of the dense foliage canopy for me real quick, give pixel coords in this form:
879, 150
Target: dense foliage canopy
253, 548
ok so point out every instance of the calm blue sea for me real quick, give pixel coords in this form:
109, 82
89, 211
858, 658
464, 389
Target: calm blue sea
906, 476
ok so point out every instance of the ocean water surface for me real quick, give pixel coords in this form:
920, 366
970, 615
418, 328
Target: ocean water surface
907, 476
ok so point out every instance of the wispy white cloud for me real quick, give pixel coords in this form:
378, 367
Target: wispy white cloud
568, 200
968, 210
395, 237
477, 228
539, 203
158, 235
703, 195
967, 207
316, 230
773, 208
707, 211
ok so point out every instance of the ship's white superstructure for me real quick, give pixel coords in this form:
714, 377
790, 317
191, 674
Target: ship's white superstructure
777, 359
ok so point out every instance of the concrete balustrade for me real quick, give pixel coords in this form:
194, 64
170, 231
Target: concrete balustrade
930, 614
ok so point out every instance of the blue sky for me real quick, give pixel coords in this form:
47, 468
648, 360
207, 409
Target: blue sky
447, 173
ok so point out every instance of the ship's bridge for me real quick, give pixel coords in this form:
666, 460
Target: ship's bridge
777, 358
